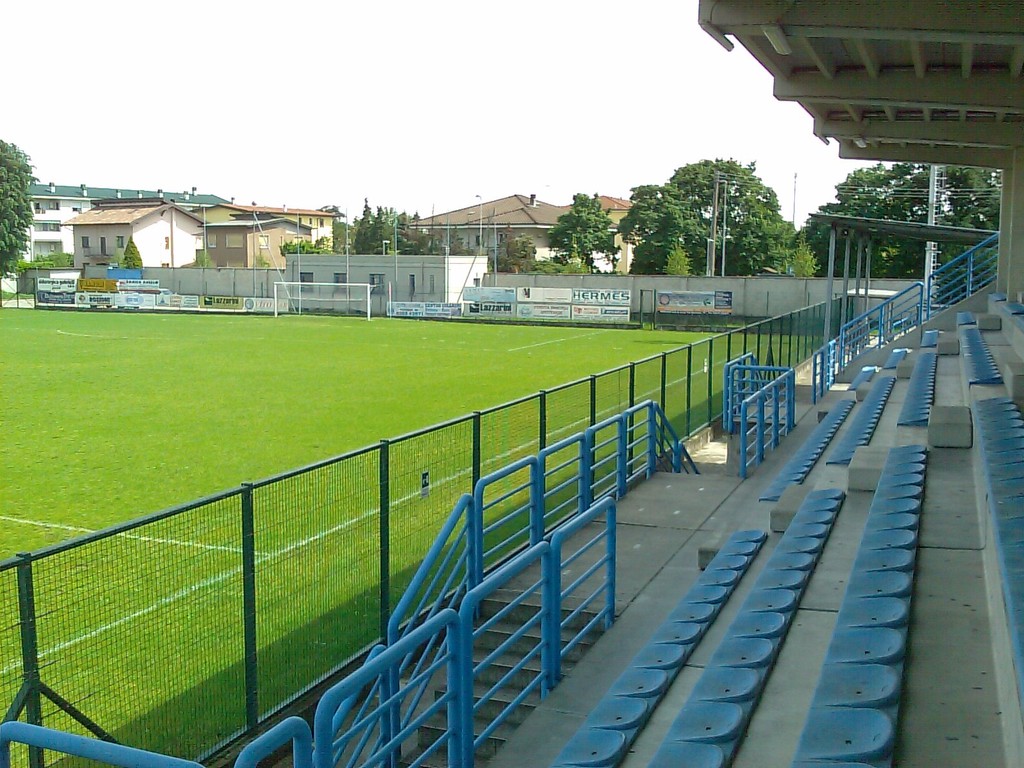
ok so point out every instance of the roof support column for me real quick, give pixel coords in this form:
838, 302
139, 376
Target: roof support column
1011, 228
867, 275
857, 308
845, 303
827, 335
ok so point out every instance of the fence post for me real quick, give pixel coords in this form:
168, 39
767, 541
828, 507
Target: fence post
689, 385
29, 651
711, 375
743, 439
252, 684
593, 400
632, 384
622, 462
664, 379
652, 440
632, 420
759, 441
543, 436
476, 447
777, 389
586, 470
551, 612
385, 535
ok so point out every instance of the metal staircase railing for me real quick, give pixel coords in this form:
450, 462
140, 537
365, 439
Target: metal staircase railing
964, 276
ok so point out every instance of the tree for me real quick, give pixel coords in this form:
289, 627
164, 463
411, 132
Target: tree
655, 225
582, 231
805, 264
15, 205
679, 262
203, 259
518, 254
131, 259
900, 193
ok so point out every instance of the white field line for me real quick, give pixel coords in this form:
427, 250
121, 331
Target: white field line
554, 341
153, 539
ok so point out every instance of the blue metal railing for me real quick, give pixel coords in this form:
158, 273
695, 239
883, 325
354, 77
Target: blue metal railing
965, 275
736, 386
879, 325
824, 367
765, 417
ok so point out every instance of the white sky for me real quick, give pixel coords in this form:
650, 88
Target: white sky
417, 106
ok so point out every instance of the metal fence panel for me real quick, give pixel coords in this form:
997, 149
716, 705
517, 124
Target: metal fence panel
611, 393
698, 382
677, 377
10, 639
509, 433
647, 380
317, 555
143, 629
567, 410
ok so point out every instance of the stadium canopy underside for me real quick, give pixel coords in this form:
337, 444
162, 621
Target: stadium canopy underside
929, 81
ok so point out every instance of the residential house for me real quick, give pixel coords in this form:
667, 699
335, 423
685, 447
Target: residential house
54, 205
252, 240
166, 234
486, 226
320, 223
617, 208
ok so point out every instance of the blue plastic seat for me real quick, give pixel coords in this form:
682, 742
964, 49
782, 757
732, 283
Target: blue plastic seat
880, 584
720, 577
749, 652
713, 722
909, 491
893, 521
879, 645
884, 560
692, 612
744, 548
805, 530
874, 612
673, 754
857, 685
668, 656
728, 562
678, 633
707, 593
758, 624
847, 734
791, 561
594, 748
781, 578
733, 684
806, 545
889, 538
889, 504
769, 599
620, 713
642, 683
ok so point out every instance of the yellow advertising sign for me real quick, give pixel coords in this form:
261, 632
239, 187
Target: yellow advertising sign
221, 302
97, 285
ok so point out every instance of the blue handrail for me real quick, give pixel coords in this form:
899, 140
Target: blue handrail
879, 325
14, 732
774, 415
965, 275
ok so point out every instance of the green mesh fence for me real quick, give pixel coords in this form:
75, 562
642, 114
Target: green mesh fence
317, 573
567, 410
143, 629
176, 632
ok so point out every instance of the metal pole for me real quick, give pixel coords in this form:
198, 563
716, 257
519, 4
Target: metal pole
857, 309
828, 283
846, 277
725, 225
714, 232
867, 275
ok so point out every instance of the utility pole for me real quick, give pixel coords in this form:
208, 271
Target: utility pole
710, 271
725, 224
794, 201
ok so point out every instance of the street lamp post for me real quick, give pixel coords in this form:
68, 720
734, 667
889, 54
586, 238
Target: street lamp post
480, 223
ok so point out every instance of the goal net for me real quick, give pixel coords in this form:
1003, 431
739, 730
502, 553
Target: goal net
322, 298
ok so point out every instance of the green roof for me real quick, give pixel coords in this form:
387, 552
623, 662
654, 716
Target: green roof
109, 193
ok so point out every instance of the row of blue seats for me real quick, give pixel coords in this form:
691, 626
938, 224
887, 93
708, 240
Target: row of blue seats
853, 713
864, 376
799, 465
895, 358
929, 339
862, 426
965, 318
981, 368
711, 724
1001, 437
613, 724
920, 392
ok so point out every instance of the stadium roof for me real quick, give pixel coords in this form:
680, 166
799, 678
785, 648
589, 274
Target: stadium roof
86, 192
909, 229
932, 82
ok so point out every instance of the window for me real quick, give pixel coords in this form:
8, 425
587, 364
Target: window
306, 277
432, 283
120, 241
85, 241
478, 241
377, 281
76, 209
103, 246
501, 237
412, 286
341, 277
264, 242
233, 240
211, 241
167, 243
47, 205
46, 226
320, 222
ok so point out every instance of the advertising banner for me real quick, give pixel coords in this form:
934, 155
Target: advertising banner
538, 311
139, 286
441, 309
87, 300
256, 304
591, 314
58, 298
548, 295
233, 303
492, 308
489, 295
185, 301
97, 284
405, 309
601, 298
57, 285
135, 300
695, 302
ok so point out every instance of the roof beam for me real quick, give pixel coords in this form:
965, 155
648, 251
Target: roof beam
765, 55
997, 135
921, 153
940, 90
917, 55
867, 56
966, 59
821, 59
890, 114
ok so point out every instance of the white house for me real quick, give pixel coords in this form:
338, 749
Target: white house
165, 234
54, 205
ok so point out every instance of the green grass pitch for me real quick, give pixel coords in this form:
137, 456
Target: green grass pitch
117, 415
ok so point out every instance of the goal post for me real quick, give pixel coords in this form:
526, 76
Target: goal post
322, 298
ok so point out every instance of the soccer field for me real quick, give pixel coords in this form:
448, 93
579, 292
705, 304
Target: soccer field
111, 416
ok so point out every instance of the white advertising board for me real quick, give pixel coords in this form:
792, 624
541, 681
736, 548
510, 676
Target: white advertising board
476, 295
601, 297
546, 295
538, 311
591, 314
